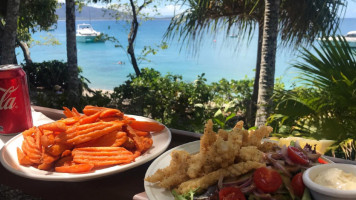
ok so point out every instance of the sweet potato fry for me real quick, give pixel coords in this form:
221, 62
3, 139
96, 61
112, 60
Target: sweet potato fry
90, 110
66, 153
75, 112
89, 119
30, 149
45, 166
102, 156
29, 132
57, 149
121, 138
70, 121
137, 140
147, 143
146, 126
110, 112
94, 133
22, 158
101, 137
54, 126
77, 168
110, 119
142, 133
64, 161
67, 112
113, 139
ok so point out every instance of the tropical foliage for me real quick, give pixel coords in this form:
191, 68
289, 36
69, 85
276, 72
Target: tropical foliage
49, 82
166, 98
298, 24
325, 105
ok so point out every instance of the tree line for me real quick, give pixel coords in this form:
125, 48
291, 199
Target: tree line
296, 23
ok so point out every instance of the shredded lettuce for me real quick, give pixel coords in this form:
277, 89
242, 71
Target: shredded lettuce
306, 194
287, 184
187, 196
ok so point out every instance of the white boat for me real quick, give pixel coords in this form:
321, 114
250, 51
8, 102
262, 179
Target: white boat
350, 37
86, 33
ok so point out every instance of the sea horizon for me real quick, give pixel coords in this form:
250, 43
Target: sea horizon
218, 56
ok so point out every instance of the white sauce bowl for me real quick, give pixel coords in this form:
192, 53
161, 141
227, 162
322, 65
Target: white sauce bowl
320, 192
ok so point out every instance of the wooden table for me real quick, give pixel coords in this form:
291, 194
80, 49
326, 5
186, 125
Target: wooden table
119, 186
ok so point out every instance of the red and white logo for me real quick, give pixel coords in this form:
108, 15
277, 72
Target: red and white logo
6, 101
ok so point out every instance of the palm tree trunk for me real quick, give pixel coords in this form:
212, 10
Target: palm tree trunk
268, 61
253, 104
74, 83
9, 34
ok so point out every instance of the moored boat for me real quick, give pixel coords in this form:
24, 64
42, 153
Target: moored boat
350, 38
86, 33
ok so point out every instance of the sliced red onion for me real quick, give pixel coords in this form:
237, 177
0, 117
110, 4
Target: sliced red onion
220, 182
284, 152
247, 183
237, 182
279, 166
313, 156
292, 168
277, 156
248, 189
263, 195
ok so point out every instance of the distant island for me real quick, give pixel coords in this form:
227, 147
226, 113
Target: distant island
89, 13
92, 13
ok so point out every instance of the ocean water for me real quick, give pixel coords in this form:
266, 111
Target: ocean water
217, 56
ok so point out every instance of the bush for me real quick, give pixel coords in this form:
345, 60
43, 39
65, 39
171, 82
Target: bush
182, 105
48, 84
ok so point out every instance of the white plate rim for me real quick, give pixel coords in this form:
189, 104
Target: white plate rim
156, 193
151, 189
37, 174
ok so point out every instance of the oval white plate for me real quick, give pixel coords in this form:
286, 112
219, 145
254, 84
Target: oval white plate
152, 190
157, 193
8, 158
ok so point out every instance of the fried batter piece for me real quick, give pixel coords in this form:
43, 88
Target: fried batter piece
268, 146
209, 179
218, 156
254, 138
175, 173
251, 153
221, 152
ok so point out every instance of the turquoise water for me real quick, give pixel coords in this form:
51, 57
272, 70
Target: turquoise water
218, 56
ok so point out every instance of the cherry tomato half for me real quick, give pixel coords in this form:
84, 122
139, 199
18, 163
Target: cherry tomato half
297, 156
231, 193
267, 180
298, 185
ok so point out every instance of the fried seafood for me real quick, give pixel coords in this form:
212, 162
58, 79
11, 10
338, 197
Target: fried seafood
209, 179
175, 173
226, 153
251, 153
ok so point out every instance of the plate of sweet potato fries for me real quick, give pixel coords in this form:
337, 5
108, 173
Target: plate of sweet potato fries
101, 141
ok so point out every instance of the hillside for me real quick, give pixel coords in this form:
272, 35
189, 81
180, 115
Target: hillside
87, 13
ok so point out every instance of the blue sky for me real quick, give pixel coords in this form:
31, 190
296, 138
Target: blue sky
351, 9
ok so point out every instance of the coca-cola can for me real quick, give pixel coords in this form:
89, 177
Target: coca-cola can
15, 106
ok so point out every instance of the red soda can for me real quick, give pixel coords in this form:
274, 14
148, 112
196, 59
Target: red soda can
15, 107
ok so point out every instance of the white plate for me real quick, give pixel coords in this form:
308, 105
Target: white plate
157, 193
8, 158
152, 190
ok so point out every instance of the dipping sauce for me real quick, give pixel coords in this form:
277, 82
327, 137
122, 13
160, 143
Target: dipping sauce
337, 179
